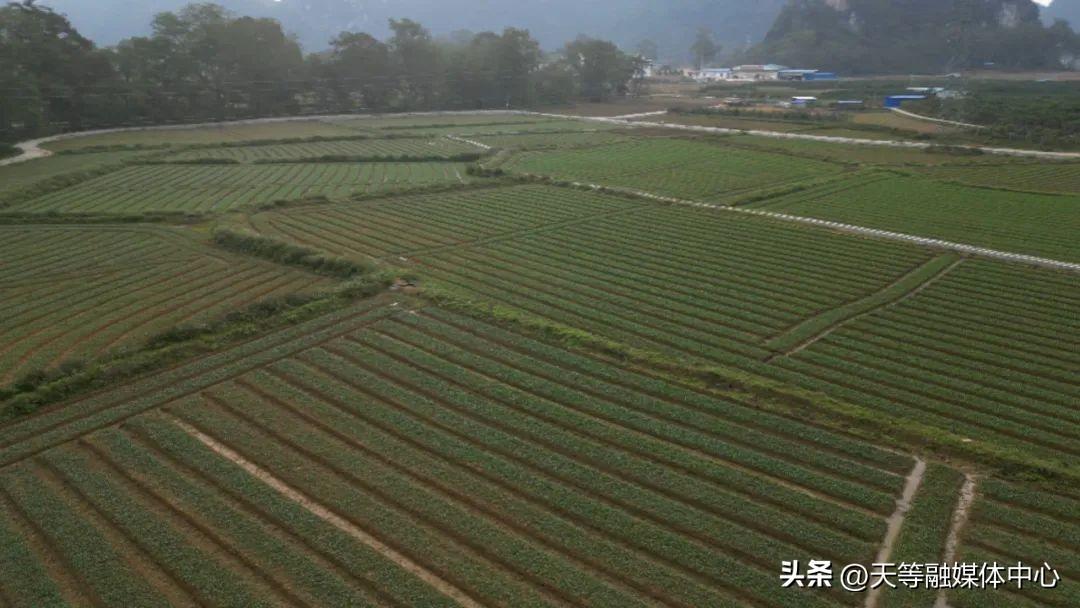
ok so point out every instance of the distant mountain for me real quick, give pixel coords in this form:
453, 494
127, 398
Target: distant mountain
881, 36
672, 24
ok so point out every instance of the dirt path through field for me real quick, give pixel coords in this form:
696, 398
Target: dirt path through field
32, 149
889, 143
895, 524
960, 518
325, 514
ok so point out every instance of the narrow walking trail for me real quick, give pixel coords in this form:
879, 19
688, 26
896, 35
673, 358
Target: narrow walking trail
895, 524
322, 512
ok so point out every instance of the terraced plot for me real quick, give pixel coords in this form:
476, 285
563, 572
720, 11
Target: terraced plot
989, 351
360, 148
672, 167
207, 135
1043, 177
1036, 224
1011, 523
866, 154
217, 188
427, 459
549, 141
419, 224
429, 121
705, 284
497, 127
75, 293
722, 288
17, 177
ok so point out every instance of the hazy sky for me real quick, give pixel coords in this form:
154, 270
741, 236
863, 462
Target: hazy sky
671, 23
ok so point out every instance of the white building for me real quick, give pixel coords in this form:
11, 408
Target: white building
757, 72
712, 74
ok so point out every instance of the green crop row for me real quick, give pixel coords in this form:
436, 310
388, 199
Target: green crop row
671, 167
1034, 224
924, 533
20, 438
399, 225
894, 292
74, 293
367, 148
1042, 177
217, 188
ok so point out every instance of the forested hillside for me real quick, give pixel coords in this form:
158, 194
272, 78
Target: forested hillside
873, 36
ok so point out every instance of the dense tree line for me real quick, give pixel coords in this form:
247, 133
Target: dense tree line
204, 63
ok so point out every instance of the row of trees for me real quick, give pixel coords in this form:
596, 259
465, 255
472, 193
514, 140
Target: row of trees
203, 63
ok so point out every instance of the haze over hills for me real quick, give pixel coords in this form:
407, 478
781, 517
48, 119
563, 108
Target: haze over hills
871, 36
1068, 10
670, 23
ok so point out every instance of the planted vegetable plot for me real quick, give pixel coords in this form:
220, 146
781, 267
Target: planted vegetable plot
426, 458
359, 148
409, 225
672, 167
1036, 224
1012, 523
208, 134
70, 294
547, 141
217, 188
989, 351
699, 283
979, 349
1042, 177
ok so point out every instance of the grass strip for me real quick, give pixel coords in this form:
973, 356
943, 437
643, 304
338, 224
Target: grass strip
39, 388
812, 328
286, 253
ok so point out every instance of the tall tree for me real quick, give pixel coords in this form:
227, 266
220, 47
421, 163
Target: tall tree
47, 69
601, 69
360, 63
704, 50
416, 59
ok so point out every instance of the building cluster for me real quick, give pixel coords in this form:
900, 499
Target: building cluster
757, 73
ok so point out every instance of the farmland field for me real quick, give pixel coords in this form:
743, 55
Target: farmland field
14, 178
207, 135
252, 365
74, 293
493, 467
534, 141
363, 148
672, 167
1043, 177
864, 154
416, 224
1038, 224
1012, 523
216, 188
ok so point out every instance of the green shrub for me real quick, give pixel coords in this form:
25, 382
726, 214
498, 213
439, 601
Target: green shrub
282, 252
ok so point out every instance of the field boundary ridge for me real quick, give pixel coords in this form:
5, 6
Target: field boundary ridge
809, 331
